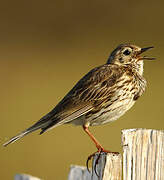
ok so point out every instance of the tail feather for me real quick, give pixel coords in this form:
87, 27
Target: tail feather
17, 137
27, 131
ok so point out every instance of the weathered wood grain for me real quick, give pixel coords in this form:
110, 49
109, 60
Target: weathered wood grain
143, 154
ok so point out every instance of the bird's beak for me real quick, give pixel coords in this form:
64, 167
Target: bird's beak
145, 57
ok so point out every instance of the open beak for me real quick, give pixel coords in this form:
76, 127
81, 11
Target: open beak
145, 57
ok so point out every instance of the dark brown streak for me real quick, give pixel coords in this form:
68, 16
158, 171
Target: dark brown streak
108, 105
128, 81
116, 108
101, 114
133, 87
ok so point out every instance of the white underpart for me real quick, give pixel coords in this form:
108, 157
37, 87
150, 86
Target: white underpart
140, 67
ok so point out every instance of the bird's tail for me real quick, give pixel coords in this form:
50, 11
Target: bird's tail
35, 127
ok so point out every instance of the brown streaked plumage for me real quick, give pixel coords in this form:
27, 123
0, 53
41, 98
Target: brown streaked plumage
101, 96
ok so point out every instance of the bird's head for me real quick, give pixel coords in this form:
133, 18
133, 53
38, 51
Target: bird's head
127, 54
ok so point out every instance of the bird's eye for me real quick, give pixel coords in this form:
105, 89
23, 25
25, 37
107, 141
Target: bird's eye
127, 52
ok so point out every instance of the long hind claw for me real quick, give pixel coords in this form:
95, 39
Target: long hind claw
99, 152
96, 162
88, 159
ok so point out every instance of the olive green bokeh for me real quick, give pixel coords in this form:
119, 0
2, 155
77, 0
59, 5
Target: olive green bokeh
45, 48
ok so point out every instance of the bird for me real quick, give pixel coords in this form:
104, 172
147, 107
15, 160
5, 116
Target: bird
103, 95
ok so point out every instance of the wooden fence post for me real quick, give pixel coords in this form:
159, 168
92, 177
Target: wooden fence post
143, 154
25, 177
143, 159
109, 167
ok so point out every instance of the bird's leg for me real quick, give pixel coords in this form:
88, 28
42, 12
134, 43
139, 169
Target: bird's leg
98, 145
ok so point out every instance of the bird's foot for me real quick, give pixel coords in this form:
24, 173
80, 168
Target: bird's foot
100, 151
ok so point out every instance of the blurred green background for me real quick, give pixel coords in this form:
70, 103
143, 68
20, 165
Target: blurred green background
45, 48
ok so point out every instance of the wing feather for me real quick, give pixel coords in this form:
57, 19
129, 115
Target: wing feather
91, 90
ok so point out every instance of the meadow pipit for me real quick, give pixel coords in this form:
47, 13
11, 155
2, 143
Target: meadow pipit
101, 96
